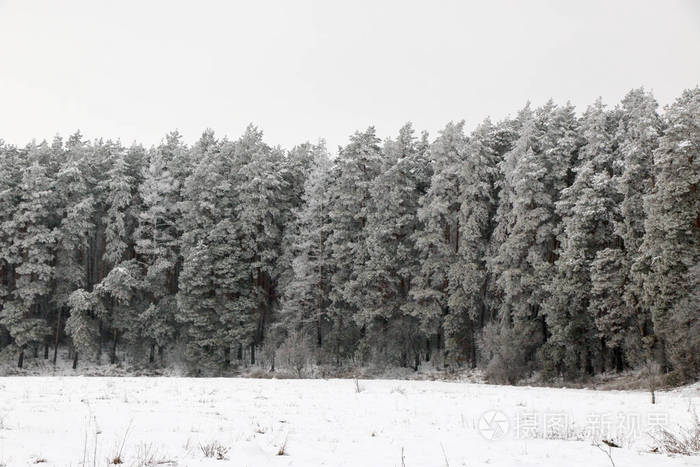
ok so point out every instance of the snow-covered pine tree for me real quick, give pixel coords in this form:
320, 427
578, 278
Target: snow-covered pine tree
76, 227
122, 304
207, 199
157, 233
32, 244
82, 325
387, 311
618, 271
438, 240
258, 225
119, 186
10, 195
157, 240
535, 171
587, 210
468, 279
357, 165
305, 295
121, 283
671, 244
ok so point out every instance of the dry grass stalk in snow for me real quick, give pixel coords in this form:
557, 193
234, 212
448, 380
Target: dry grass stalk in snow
214, 449
685, 441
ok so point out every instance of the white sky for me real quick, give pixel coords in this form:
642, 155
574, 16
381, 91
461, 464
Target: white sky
301, 70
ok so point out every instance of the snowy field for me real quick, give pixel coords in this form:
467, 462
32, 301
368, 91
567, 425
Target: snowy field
74, 421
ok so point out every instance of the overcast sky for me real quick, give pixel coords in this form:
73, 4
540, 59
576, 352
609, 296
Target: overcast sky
301, 70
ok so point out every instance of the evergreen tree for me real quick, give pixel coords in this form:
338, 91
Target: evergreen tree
32, 252
536, 171
587, 209
119, 187
197, 308
438, 240
10, 195
358, 164
207, 199
259, 217
671, 245
468, 280
387, 311
76, 226
618, 271
81, 325
157, 240
305, 299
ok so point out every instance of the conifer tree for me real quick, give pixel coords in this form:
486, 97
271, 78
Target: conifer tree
468, 280
387, 311
82, 325
259, 216
671, 244
207, 199
536, 170
305, 300
438, 241
587, 211
358, 164
618, 271
32, 252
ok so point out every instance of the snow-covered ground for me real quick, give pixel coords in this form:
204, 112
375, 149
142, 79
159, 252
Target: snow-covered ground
85, 421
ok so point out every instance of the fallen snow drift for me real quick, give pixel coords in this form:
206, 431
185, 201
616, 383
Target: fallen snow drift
168, 421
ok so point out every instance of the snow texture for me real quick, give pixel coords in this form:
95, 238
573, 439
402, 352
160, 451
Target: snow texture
77, 421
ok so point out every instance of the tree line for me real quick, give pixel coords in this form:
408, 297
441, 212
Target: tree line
552, 242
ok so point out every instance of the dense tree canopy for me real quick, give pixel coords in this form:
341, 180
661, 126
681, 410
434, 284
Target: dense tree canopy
551, 242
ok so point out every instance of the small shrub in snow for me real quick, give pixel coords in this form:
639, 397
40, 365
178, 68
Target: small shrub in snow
214, 449
117, 458
686, 441
504, 350
282, 451
295, 352
147, 455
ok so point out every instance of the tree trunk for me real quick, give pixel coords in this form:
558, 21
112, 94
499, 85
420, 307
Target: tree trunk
618, 359
252, 354
472, 344
46, 349
99, 345
152, 355
227, 356
588, 363
58, 334
20, 361
75, 359
113, 356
